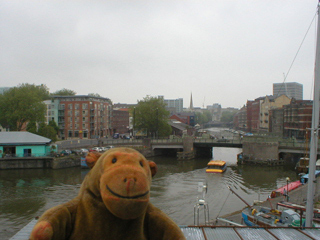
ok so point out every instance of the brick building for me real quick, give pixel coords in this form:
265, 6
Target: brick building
297, 118
120, 121
276, 121
240, 119
253, 114
81, 116
185, 117
267, 104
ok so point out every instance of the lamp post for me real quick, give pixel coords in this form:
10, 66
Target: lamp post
134, 122
157, 131
288, 179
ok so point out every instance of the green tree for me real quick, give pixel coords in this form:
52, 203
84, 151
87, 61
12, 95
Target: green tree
54, 125
227, 117
47, 131
150, 114
203, 117
94, 95
64, 92
23, 104
32, 127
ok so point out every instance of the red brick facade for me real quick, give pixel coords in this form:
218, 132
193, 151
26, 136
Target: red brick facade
84, 117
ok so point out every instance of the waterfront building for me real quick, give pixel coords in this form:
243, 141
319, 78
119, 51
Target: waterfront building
267, 104
240, 119
120, 121
180, 129
297, 119
291, 89
276, 121
184, 117
81, 116
253, 114
24, 144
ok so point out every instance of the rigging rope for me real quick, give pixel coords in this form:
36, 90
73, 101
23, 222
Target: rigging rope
286, 75
223, 205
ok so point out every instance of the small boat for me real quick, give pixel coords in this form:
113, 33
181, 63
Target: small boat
303, 165
285, 189
216, 166
261, 216
267, 217
83, 162
299, 209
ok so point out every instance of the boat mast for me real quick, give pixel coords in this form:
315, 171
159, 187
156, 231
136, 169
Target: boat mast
314, 133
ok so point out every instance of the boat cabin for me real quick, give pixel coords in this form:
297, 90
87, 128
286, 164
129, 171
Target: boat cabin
216, 166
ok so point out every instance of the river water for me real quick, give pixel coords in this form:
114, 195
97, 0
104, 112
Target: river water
25, 194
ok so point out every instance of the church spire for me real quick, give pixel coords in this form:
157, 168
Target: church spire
191, 103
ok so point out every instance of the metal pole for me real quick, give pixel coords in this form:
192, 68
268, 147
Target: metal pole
239, 197
134, 122
288, 189
314, 134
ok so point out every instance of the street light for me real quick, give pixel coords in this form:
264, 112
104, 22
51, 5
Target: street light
288, 179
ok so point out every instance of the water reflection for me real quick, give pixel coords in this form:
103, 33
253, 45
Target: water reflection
25, 194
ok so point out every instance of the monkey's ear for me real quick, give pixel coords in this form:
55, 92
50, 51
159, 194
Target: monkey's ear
92, 158
153, 167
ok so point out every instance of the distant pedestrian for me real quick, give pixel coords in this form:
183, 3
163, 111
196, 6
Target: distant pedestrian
285, 194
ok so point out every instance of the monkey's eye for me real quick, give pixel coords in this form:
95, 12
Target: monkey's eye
141, 163
114, 160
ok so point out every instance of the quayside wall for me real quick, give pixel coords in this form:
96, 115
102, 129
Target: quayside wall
41, 162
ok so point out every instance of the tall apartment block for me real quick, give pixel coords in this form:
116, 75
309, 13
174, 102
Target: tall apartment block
173, 105
80, 116
291, 89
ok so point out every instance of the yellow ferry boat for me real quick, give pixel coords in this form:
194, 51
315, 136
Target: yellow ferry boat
216, 166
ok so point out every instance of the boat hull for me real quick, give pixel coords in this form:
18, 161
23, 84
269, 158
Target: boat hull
216, 166
216, 170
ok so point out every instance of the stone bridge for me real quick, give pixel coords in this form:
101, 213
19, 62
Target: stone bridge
264, 148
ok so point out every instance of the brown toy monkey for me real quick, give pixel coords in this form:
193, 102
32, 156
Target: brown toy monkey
113, 203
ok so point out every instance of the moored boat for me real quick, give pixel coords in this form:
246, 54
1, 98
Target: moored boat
216, 166
303, 165
285, 189
83, 162
267, 217
299, 209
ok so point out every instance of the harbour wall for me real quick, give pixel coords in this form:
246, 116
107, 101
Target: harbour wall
260, 150
44, 162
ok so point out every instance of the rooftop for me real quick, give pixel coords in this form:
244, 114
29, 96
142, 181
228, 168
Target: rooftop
18, 138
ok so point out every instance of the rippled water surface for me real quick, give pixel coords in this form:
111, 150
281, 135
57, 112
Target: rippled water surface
25, 194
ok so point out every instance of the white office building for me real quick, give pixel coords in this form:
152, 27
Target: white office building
291, 89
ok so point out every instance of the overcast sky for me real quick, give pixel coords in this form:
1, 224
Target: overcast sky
222, 51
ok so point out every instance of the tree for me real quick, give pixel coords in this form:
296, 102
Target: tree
94, 95
150, 114
54, 125
32, 127
227, 117
47, 131
23, 104
64, 92
203, 117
